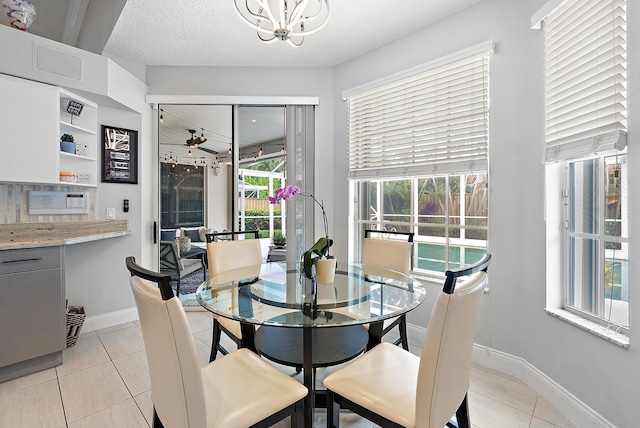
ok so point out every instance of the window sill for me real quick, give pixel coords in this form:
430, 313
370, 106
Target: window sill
612, 336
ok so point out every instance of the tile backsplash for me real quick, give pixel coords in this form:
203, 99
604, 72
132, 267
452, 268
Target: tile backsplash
14, 203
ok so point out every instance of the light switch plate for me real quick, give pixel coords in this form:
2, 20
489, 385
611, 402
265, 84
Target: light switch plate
111, 213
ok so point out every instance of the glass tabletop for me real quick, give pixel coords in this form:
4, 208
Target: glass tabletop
275, 294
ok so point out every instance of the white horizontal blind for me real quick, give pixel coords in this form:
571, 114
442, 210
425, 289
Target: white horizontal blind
433, 122
585, 78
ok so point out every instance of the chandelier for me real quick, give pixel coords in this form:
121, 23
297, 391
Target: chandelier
286, 20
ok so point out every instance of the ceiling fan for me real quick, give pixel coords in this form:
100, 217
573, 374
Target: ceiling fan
194, 141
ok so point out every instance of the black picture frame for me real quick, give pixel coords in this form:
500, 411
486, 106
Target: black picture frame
119, 155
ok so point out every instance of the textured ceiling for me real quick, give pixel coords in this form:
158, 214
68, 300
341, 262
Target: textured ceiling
210, 33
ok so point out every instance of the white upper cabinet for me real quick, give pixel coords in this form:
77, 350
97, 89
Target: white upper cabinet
33, 117
29, 119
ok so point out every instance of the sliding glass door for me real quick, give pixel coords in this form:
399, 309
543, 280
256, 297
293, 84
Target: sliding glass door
220, 163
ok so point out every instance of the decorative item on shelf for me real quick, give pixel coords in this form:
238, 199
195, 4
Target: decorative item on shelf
319, 250
68, 177
66, 144
21, 13
84, 178
81, 149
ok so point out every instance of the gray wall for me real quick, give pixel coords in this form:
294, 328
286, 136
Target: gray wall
96, 277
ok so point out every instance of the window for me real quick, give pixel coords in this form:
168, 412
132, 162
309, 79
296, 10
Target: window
418, 158
447, 213
586, 123
597, 239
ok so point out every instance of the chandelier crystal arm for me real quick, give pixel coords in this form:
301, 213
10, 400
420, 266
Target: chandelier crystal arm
256, 16
295, 16
310, 19
264, 5
283, 12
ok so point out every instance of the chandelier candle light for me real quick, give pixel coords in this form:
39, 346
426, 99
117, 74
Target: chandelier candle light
286, 20
318, 254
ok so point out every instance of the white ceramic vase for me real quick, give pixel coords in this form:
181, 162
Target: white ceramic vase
325, 270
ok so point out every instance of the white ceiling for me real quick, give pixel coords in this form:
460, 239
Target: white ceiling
210, 33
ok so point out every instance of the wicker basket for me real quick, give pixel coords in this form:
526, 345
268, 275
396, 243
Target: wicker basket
75, 319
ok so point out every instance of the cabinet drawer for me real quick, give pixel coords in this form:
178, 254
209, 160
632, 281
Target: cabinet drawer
29, 259
32, 315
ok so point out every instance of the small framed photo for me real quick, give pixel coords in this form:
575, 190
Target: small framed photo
119, 155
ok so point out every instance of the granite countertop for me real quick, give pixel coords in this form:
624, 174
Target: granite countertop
32, 235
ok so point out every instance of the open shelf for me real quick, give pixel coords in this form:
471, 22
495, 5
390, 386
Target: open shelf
85, 135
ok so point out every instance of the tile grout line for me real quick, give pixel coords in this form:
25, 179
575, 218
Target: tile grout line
64, 413
87, 368
534, 409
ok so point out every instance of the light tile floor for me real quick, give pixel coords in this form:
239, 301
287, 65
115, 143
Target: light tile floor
104, 383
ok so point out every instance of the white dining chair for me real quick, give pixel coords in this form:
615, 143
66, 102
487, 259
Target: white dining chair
224, 256
394, 388
240, 390
390, 252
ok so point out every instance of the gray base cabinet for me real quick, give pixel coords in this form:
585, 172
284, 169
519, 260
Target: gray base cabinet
32, 310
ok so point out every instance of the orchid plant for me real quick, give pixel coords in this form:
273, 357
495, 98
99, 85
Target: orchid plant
321, 248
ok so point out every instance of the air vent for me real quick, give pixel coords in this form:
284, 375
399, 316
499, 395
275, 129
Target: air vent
60, 63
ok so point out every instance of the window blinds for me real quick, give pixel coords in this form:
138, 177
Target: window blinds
432, 122
585, 78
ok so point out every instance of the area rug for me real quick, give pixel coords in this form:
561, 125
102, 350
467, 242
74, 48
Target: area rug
188, 286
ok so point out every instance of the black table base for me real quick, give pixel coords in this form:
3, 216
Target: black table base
331, 345
311, 348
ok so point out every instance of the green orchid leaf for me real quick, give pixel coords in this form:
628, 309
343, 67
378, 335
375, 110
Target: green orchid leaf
319, 250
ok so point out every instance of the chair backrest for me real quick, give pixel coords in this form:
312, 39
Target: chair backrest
443, 376
224, 256
177, 390
170, 261
395, 253
231, 236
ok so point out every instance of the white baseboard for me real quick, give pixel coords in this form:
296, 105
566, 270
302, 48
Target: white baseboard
109, 319
568, 404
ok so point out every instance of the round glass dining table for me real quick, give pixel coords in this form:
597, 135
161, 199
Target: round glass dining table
276, 296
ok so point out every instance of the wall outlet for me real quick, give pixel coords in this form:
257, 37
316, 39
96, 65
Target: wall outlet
111, 213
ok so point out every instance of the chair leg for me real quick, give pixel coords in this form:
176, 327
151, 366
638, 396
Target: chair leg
215, 340
333, 411
297, 420
462, 414
178, 289
402, 326
156, 419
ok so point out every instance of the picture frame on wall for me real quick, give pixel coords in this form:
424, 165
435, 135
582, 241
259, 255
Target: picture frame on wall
119, 155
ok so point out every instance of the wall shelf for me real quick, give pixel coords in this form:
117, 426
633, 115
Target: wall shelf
66, 183
64, 124
72, 156
84, 129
